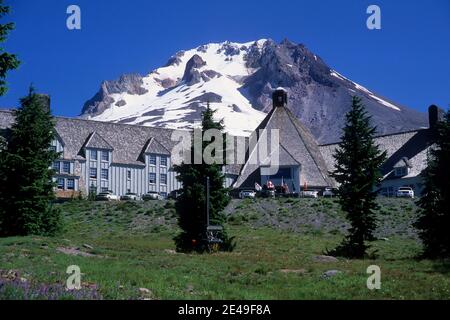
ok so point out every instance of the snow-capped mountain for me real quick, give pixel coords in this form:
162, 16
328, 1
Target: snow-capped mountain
237, 79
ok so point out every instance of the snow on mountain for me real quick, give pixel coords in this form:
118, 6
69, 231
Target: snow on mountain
237, 79
176, 94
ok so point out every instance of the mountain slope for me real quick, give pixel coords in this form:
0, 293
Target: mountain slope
237, 79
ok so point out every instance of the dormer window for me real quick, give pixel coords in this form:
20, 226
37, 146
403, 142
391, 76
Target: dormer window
152, 160
105, 156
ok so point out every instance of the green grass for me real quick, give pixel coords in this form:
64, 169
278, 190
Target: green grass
133, 248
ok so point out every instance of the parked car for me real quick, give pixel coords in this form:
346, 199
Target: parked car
247, 194
328, 192
152, 195
309, 194
107, 196
129, 196
405, 192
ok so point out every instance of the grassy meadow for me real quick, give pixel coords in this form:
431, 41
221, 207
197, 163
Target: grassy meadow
125, 251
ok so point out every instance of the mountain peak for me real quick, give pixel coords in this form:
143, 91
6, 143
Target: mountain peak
191, 72
238, 79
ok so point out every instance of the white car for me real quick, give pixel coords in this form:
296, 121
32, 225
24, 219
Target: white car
405, 192
152, 195
107, 196
328, 192
247, 194
129, 196
309, 194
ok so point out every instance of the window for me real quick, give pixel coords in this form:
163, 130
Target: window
152, 177
104, 189
129, 174
152, 160
163, 161
53, 148
56, 166
105, 156
66, 167
93, 173
61, 183
104, 174
163, 194
70, 184
94, 155
163, 178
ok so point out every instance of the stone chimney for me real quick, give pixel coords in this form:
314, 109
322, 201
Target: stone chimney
279, 98
435, 115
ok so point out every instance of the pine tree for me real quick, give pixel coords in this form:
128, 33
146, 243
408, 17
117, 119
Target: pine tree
191, 204
434, 221
26, 191
7, 61
358, 162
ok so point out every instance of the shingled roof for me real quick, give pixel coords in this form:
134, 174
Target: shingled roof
412, 146
297, 146
127, 141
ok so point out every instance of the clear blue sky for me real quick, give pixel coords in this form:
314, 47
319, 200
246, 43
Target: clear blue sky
408, 60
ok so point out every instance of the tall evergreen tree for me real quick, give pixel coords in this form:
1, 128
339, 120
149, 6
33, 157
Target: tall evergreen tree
191, 204
358, 162
26, 190
8, 61
434, 222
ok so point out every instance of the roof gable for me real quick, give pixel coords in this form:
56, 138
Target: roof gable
96, 141
154, 146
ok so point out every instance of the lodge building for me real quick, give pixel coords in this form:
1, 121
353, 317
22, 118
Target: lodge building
100, 156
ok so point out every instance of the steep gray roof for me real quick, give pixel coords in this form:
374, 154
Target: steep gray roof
297, 146
127, 141
412, 146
